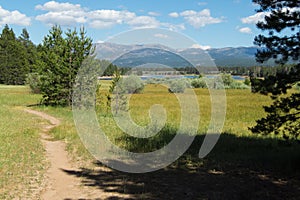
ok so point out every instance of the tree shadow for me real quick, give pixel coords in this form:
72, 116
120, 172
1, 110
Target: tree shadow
237, 168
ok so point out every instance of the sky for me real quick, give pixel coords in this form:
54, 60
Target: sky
211, 23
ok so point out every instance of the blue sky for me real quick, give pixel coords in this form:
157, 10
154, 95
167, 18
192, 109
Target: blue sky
211, 23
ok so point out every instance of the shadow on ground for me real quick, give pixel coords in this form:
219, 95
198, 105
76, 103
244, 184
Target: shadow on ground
237, 168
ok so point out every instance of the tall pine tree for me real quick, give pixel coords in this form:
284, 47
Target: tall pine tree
30, 50
282, 43
13, 59
61, 59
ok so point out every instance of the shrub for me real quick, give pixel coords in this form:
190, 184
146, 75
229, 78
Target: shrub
198, 83
227, 79
214, 83
178, 86
238, 85
187, 82
34, 82
247, 81
132, 84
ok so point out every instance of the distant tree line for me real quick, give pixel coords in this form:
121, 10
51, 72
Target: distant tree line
18, 56
111, 68
251, 71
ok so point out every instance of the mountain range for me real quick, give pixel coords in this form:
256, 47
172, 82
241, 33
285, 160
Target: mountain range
136, 55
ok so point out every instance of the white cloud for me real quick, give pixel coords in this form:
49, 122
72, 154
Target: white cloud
202, 3
61, 18
253, 19
144, 22
57, 7
110, 15
107, 18
188, 13
174, 14
13, 17
173, 27
200, 19
245, 30
100, 41
67, 14
159, 35
198, 46
155, 14
101, 24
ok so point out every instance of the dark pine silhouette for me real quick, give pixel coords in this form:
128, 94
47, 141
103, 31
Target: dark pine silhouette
283, 116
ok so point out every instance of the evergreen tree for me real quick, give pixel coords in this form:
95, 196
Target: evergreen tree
283, 117
61, 59
31, 50
13, 61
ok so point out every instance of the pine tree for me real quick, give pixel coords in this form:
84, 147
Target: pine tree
13, 61
31, 51
283, 117
61, 59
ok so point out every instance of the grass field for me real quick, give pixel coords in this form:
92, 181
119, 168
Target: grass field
243, 108
238, 153
21, 153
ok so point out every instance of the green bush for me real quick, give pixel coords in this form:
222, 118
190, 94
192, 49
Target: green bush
132, 84
214, 83
178, 86
247, 81
198, 83
34, 82
238, 85
223, 81
227, 79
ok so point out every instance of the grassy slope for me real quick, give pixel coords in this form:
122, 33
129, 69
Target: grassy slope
21, 152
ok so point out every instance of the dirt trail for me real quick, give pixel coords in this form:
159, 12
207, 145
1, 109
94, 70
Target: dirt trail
59, 184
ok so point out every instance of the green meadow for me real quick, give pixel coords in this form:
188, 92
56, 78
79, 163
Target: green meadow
22, 162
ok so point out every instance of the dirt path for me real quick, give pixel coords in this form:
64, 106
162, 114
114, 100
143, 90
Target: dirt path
59, 184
